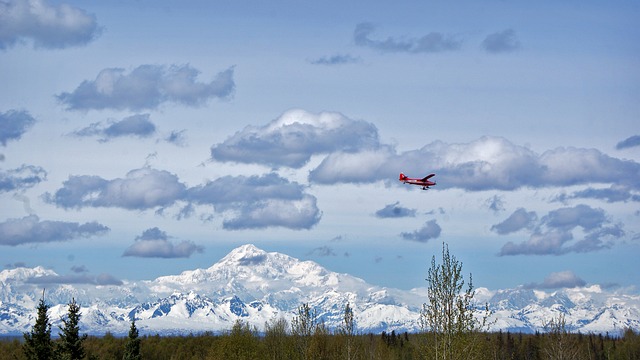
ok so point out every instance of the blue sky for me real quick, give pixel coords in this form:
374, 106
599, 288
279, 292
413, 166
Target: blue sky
140, 139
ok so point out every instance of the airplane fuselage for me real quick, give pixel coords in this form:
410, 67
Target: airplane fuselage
424, 182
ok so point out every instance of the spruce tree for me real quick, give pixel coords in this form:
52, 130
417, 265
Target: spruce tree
132, 347
37, 343
71, 346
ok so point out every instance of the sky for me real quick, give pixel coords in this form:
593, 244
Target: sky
145, 138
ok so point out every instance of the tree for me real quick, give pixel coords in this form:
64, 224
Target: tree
347, 329
276, 339
132, 346
560, 344
37, 343
303, 326
449, 314
70, 346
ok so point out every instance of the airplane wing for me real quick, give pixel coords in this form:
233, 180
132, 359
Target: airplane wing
428, 177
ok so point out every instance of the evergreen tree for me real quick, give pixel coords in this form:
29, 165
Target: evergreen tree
37, 343
132, 347
71, 346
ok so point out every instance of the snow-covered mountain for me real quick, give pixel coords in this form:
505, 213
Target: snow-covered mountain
256, 286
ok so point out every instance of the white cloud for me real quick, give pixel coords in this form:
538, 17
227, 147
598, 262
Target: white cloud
489, 163
395, 211
250, 202
500, 42
294, 137
141, 189
520, 219
21, 178
553, 234
155, 243
30, 229
13, 124
556, 280
136, 125
430, 43
147, 87
48, 26
430, 230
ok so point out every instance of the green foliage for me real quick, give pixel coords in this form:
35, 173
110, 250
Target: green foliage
449, 313
498, 346
37, 343
277, 340
132, 346
70, 346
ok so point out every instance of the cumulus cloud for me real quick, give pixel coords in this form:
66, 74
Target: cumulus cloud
30, 229
147, 87
430, 43
14, 123
338, 59
248, 202
629, 142
135, 125
520, 219
500, 42
294, 137
48, 26
557, 280
430, 230
21, 178
141, 189
554, 233
489, 163
258, 202
155, 243
395, 211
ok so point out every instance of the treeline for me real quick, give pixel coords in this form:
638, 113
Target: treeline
243, 342
451, 331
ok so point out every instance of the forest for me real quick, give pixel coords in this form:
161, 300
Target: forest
242, 342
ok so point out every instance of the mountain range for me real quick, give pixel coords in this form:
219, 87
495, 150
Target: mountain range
256, 286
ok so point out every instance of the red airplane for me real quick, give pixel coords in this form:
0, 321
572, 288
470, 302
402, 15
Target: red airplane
424, 182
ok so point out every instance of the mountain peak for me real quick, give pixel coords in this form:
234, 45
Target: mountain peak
245, 255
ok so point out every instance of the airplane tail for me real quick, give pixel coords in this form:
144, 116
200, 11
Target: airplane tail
402, 177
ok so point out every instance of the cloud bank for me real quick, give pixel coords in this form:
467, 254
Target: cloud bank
553, 234
48, 26
30, 229
147, 87
247, 202
489, 163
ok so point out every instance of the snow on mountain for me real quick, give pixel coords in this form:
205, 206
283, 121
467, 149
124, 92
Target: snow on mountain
257, 286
